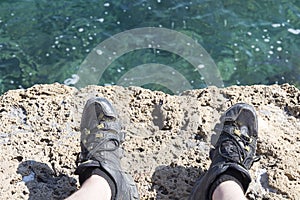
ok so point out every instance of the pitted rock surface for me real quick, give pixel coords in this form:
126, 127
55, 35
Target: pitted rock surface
167, 138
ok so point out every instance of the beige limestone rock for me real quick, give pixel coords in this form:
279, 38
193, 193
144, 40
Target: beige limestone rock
167, 143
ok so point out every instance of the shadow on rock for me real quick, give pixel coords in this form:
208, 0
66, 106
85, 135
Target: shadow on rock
174, 182
44, 183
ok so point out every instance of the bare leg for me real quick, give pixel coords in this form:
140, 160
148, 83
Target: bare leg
228, 190
94, 187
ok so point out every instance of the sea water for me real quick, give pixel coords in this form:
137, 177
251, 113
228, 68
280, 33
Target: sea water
244, 42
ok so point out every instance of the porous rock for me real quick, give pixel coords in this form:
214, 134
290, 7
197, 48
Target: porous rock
167, 138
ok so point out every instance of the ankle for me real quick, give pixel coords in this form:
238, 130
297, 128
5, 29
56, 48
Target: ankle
96, 172
231, 175
100, 184
228, 190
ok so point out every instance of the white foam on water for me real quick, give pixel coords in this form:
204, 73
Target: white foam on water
294, 31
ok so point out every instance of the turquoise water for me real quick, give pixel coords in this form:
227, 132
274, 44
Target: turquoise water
251, 42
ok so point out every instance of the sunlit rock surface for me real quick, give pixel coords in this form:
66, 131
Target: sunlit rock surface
167, 143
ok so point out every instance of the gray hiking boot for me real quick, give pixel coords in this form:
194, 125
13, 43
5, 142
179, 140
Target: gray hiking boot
234, 150
101, 137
